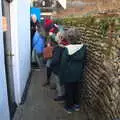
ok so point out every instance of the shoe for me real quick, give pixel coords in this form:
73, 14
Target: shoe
59, 99
52, 87
46, 84
69, 110
76, 108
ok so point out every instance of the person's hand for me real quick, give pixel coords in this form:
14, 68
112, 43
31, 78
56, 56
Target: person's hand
61, 45
36, 28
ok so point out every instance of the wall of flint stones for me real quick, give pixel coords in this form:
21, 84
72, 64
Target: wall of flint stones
102, 73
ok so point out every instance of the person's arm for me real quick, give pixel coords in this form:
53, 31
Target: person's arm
56, 57
64, 65
35, 39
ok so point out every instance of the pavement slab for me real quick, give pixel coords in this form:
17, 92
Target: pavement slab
40, 105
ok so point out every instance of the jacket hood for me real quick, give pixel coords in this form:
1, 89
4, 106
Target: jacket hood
72, 49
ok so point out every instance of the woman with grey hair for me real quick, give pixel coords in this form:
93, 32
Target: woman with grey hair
72, 66
55, 64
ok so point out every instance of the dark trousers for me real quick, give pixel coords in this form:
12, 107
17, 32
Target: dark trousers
49, 72
71, 94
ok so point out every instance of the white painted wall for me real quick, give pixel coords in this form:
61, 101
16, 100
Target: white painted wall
20, 34
24, 41
4, 109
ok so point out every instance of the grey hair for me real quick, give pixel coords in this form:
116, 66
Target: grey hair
34, 16
72, 35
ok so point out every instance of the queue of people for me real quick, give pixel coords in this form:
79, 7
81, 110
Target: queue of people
64, 60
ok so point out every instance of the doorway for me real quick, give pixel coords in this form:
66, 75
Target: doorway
8, 58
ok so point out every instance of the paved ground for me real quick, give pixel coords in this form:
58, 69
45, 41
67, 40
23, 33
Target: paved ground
40, 104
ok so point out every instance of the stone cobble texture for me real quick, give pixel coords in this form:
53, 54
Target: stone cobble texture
101, 89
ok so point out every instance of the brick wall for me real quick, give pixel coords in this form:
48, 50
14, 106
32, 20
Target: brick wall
101, 90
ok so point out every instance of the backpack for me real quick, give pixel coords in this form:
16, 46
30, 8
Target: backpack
48, 52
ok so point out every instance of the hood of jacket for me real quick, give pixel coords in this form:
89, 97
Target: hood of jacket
72, 49
77, 52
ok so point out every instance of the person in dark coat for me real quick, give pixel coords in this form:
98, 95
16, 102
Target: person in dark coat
57, 53
71, 72
55, 65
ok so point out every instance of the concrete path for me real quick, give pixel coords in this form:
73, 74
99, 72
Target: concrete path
40, 104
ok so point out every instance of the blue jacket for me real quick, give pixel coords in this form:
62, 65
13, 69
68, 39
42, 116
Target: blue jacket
38, 43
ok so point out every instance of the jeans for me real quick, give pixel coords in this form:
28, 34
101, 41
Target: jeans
71, 94
49, 73
49, 70
38, 58
59, 88
48, 63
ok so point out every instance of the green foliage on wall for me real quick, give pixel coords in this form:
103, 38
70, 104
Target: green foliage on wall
89, 21
106, 26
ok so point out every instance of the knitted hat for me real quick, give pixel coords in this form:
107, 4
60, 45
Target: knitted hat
61, 28
60, 36
48, 22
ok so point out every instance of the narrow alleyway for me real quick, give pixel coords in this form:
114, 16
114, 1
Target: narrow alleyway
40, 104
